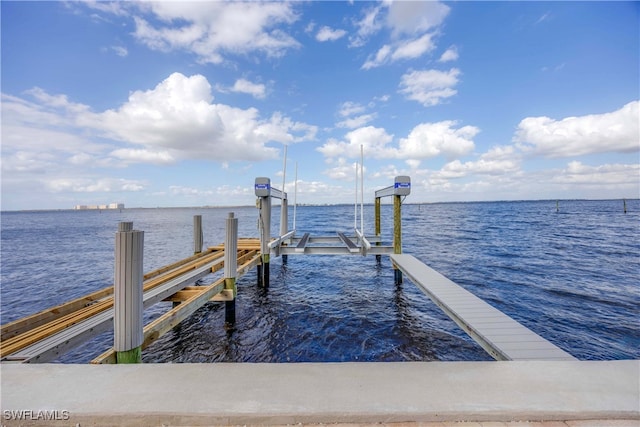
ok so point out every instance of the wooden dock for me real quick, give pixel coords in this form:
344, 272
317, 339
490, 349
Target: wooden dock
500, 336
48, 334
45, 336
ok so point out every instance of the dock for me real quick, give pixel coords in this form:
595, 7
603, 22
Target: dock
498, 334
46, 335
535, 381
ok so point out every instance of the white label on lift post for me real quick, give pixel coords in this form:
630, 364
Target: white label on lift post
402, 186
263, 187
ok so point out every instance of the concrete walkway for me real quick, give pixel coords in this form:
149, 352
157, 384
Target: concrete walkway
428, 394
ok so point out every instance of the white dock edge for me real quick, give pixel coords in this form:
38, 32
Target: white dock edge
500, 335
245, 393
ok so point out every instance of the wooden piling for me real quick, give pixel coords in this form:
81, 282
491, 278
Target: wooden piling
624, 204
397, 234
231, 267
128, 294
198, 238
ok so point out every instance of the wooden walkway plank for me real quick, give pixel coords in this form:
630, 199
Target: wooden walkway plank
500, 335
48, 340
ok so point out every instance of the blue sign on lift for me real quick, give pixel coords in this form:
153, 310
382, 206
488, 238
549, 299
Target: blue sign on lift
263, 187
402, 186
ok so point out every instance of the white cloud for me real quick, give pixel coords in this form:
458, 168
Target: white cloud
413, 27
137, 155
175, 120
374, 140
370, 23
404, 49
415, 48
428, 140
213, 30
343, 170
411, 17
329, 34
101, 185
178, 117
618, 131
450, 54
356, 122
120, 50
429, 87
610, 175
257, 90
497, 161
349, 108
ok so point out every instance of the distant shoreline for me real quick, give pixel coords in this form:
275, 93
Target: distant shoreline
316, 205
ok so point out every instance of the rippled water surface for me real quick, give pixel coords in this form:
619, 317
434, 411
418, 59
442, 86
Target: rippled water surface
569, 272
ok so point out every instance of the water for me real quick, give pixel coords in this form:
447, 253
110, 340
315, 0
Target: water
571, 276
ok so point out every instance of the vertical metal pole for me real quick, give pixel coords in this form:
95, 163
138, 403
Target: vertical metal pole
295, 198
377, 227
265, 237
231, 267
355, 206
362, 189
397, 234
128, 308
197, 234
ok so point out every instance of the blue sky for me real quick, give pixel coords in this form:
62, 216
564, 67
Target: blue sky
185, 103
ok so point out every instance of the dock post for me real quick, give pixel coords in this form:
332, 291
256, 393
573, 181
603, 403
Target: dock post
197, 234
397, 235
284, 222
265, 237
231, 267
377, 227
128, 308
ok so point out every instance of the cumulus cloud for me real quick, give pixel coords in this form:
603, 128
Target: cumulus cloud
343, 170
497, 161
405, 49
329, 34
374, 140
413, 27
371, 22
257, 90
408, 17
101, 185
617, 131
353, 115
357, 121
350, 108
602, 175
175, 120
428, 140
450, 54
211, 30
429, 87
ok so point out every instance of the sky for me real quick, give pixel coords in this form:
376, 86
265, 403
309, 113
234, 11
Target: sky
169, 104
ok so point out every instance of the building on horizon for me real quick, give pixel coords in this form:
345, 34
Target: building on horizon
99, 207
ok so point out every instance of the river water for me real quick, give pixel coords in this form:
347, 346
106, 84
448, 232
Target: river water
568, 271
